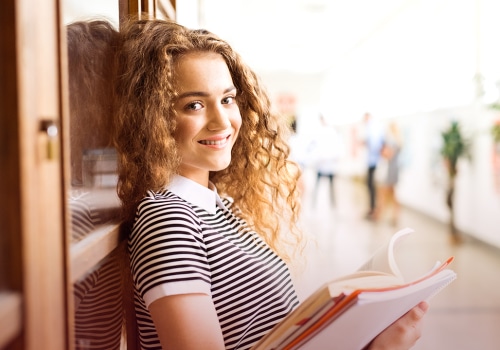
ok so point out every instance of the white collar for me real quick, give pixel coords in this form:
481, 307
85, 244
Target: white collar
194, 193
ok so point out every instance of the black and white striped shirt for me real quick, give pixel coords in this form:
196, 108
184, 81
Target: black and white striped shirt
185, 239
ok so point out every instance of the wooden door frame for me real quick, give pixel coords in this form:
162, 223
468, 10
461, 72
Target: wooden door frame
44, 249
33, 182
10, 206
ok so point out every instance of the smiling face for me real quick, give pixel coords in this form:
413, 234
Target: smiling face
208, 118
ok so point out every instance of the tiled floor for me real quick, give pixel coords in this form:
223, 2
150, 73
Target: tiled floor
464, 316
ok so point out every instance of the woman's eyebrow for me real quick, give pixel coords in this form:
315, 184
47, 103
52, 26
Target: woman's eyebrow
202, 93
192, 94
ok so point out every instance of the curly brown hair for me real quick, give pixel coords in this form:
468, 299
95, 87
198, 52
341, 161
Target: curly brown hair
261, 178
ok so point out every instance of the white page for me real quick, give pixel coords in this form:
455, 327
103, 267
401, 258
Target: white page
383, 260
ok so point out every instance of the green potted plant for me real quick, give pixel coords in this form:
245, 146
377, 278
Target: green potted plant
454, 147
495, 132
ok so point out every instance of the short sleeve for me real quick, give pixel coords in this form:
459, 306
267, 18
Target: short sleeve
167, 251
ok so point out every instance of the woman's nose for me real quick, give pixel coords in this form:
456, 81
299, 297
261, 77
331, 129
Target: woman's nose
218, 119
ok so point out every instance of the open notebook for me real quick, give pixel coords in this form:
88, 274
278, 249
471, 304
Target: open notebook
348, 312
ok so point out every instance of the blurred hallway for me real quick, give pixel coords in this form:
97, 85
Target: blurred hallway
466, 315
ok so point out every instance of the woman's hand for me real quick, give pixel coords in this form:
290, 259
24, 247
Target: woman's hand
402, 334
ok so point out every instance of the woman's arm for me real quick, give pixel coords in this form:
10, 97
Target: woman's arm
403, 333
187, 322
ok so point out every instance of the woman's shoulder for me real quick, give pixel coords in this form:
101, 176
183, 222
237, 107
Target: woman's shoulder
164, 207
163, 202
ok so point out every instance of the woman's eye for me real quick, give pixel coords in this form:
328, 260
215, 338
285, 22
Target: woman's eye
194, 106
228, 100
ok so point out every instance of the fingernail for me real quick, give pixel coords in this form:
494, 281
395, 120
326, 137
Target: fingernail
424, 306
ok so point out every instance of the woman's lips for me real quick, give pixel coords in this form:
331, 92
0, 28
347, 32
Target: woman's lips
215, 142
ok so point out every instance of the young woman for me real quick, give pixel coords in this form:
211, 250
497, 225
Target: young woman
206, 187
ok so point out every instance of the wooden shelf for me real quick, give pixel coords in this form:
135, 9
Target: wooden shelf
88, 252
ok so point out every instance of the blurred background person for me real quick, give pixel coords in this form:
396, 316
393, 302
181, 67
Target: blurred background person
298, 152
325, 154
389, 173
373, 141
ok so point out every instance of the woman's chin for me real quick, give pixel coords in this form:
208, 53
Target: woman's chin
222, 165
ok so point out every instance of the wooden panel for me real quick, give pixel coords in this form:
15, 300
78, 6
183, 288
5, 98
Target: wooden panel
10, 317
10, 223
41, 177
65, 159
152, 8
127, 8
